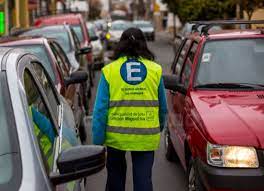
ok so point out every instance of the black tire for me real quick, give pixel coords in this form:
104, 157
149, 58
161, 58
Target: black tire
193, 181
169, 149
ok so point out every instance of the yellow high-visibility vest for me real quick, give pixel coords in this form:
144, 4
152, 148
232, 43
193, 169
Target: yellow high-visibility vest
44, 142
133, 115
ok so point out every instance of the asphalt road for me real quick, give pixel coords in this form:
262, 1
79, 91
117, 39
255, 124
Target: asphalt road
167, 176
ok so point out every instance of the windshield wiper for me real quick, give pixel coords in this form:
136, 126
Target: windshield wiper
231, 86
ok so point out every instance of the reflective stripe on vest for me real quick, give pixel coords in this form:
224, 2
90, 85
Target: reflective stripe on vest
133, 115
134, 103
134, 131
44, 143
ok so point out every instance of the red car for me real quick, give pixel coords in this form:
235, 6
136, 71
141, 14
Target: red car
216, 108
77, 22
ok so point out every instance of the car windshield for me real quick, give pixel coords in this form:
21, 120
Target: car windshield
41, 53
121, 26
232, 61
78, 30
144, 25
6, 167
61, 36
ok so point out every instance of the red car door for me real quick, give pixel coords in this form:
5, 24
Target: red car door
175, 99
181, 101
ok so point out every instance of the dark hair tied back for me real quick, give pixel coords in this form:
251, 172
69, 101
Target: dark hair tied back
133, 45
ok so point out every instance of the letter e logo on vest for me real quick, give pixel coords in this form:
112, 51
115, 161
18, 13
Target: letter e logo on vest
133, 72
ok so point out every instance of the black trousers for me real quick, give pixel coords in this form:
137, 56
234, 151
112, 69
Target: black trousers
116, 170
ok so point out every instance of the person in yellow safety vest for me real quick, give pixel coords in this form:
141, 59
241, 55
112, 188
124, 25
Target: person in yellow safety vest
130, 111
44, 131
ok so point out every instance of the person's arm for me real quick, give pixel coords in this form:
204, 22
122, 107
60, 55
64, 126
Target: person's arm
163, 109
43, 123
100, 112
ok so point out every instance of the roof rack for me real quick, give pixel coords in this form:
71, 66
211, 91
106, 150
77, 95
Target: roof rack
195, 27
207, 25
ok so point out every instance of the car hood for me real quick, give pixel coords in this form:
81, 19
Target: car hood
234, 118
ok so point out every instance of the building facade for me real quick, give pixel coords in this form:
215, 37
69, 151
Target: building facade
18, 14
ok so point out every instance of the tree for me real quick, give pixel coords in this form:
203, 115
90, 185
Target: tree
189, 10
172, 5
249, 6
95, 9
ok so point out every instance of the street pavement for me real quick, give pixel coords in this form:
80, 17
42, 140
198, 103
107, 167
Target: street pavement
167, 176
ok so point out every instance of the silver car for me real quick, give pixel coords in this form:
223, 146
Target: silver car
116, 30
147, 28
67, 39
25, 163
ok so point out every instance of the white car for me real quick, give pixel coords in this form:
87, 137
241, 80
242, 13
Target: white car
147, 28
116, 31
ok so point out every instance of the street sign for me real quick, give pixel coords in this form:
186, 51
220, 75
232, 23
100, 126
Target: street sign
2, 22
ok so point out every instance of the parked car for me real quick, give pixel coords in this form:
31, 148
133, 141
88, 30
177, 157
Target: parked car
98, 49
67, 39
78, 24
26, 90
216, 114
147, 28
56, 63
187, 30
116, 30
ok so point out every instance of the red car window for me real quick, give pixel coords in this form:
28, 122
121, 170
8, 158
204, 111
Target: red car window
186, 73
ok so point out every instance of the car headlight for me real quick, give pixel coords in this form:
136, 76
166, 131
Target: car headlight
232, 156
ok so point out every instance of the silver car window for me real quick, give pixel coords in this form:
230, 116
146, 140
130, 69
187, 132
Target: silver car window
42, 122
6, 166
47, 86
61, 36
41, 53
78, 30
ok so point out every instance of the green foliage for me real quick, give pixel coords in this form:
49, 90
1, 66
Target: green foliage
210, 9
95, 9
172, 5
250, 6
202, 9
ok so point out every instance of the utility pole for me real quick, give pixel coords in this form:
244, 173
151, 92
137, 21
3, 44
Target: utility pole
89, 8
174, 26
135, 9
148, 9
110, 6
6, 17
